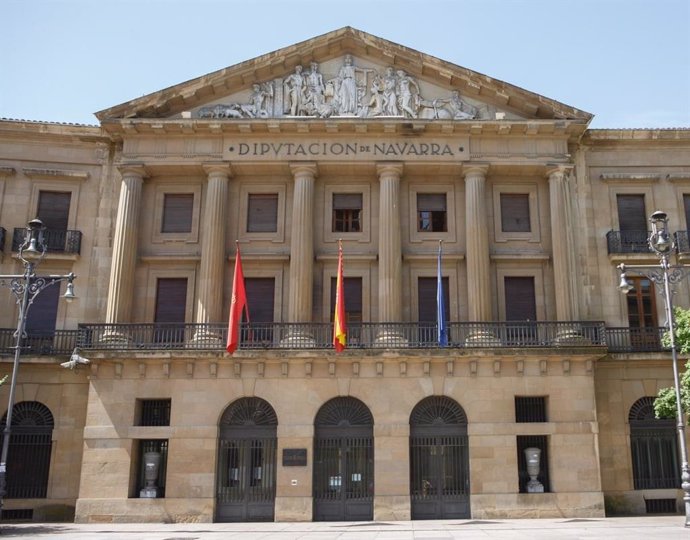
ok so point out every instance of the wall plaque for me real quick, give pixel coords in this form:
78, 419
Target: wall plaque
294, 457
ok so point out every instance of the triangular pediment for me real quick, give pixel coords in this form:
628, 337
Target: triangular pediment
343, 74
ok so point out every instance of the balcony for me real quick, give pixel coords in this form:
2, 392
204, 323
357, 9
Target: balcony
682, 242
315, 336
57, 240
59, 342
629, 340
627, 242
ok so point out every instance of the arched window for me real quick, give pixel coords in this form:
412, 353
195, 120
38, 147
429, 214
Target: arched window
653, 446
28, 459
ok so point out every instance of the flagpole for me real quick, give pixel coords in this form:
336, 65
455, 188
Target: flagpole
441, 323
339, 323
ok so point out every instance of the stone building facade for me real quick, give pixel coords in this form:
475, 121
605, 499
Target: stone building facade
397, 155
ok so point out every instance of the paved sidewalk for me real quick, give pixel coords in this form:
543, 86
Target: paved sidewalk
633, 528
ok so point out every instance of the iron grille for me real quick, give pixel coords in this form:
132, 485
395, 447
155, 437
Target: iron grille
246, 471
439, 467
530, 441
628, 242
530, 409
153, 445
56, 240
18, 514
661, 506
3, 233
155, 412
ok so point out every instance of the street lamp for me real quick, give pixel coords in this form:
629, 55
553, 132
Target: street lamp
26, 287
666, 274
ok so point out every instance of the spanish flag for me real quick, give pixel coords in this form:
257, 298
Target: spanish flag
339, 325
238, 304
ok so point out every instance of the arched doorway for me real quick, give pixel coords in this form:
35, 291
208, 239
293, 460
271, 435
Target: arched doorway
31, 443
344, 461
246, 479
653, 447
439, 460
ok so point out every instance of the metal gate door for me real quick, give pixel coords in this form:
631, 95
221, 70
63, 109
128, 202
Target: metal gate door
344, 462
439, 460
246, 483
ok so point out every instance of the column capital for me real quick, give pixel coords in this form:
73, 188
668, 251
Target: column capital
132, 169
219, 168
389, 168
475, 169
306, 168
559, 171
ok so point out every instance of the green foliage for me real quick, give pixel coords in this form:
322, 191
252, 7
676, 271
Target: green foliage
665, 402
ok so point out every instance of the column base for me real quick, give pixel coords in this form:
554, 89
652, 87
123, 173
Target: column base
207, 339
115, 340
297, 339
390, 338
482, 338
570, 337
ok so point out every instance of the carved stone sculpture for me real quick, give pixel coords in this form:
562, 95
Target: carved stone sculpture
295, 92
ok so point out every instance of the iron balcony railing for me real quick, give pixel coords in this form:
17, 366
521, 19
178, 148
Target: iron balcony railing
682, 241
155, 336
57, 240
622, 340
628, 242
58, 342
3, 234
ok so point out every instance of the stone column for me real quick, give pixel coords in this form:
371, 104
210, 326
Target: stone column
563, 250
121, 287
477, 252
390, 251
209, 305
302, 252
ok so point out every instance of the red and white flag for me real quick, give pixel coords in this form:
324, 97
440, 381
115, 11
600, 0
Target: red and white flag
339, 325
238, 304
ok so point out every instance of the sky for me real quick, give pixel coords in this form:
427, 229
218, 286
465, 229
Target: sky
625, 61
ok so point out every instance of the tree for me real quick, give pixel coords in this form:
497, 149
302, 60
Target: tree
665, 402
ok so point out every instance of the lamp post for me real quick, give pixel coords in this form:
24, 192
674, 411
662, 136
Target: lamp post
26, 287
666, 275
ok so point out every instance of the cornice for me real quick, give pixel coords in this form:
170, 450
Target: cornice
55, 174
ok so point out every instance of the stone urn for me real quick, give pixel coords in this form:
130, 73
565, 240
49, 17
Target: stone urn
152, 463
532, 458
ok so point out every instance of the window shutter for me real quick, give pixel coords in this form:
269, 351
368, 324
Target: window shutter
53, 209
171, 300
520, 302
43, 311
177, 212
515, 212
353, 298
260, 299
631, 213
426, 297
431, 202
262, 212
347, 201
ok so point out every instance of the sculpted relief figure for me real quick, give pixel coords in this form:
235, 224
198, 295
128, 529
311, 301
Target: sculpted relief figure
261, 94
348, 92
294, 92
460, 109
390, 97
405, 86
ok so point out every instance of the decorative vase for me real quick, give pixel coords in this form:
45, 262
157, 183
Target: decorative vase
532, 457
152, 463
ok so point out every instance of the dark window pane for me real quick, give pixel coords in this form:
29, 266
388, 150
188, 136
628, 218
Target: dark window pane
53, 209
431, 212
520, 301
260, 299
177, 212
426, 296
530, 409
171, 300
515, 212
262, 212
631, 213
43, 312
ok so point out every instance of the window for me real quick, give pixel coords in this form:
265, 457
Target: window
520, 306
262, 212
632, 221
530, 409
533, 441
41, 317
431, 212
347, 210
426, 303
686, 207
260, 300
515, 212
653, 446
151, 472
171, 307
642, 319
53, 211
353, 306
153, 412
177, 212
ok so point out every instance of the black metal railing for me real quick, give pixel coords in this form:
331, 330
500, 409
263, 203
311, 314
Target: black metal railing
682, 241
3, 234
360, 336
58, 342
624, 339
628, 242
57, 240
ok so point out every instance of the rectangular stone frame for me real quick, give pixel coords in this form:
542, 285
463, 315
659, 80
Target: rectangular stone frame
530, 189
364, 235
452, 216
247, 188
162, 189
